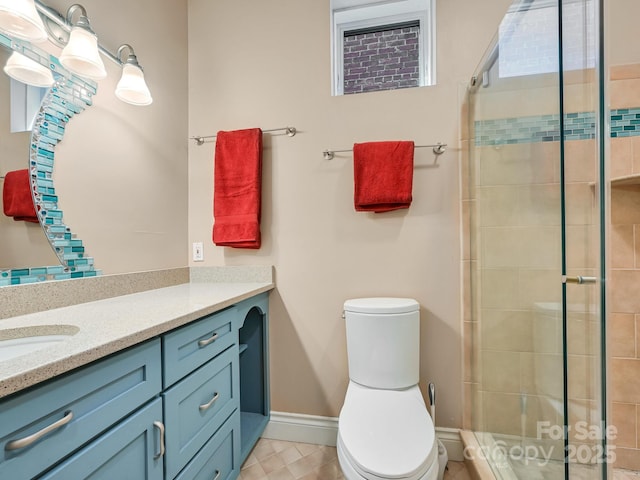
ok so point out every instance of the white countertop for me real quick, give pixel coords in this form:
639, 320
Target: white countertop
110, 325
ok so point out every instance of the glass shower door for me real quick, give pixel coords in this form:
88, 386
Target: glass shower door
535, 251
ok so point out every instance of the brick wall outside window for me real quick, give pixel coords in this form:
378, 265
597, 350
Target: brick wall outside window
381, 60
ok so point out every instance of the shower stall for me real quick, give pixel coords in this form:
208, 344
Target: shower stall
551, 228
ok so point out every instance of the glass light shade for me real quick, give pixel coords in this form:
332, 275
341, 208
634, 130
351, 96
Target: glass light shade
132, 88
81, 55
20, 19
28, 71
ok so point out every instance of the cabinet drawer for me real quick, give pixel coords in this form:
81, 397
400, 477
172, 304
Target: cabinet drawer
219, 458
195, 344
79, 406
197, 406
130, 450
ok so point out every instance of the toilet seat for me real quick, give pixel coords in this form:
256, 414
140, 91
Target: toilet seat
387, 433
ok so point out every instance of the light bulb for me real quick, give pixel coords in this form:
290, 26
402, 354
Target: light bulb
81, 55
132, 88
28, 71
20, 19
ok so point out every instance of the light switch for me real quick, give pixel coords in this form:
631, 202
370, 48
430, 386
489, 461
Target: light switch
198, 252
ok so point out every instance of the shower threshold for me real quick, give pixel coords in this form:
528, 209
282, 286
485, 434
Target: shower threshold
492, 456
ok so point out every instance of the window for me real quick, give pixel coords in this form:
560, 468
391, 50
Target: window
24, 104
382, 45
528, 37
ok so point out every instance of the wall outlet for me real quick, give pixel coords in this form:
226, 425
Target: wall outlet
198, 252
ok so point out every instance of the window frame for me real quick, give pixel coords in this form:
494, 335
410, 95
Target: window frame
348, 15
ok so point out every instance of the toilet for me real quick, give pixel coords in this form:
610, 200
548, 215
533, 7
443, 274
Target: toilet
384, 428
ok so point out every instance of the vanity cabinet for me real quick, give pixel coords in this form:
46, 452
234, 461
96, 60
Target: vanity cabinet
187, 405
215, 414
40, 427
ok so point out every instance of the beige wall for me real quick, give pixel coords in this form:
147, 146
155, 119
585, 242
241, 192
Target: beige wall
267, 64
121, 171
621, 21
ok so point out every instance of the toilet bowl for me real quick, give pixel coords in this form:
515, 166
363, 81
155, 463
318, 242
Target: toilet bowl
384, 428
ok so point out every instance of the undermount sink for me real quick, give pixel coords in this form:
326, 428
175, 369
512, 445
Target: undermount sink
22, 341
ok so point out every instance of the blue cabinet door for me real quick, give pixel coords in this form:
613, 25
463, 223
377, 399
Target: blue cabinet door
218, 459
73, 409
197, 406
128, 451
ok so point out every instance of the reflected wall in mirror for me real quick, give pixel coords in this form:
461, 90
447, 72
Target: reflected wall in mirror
49, 243
19, 240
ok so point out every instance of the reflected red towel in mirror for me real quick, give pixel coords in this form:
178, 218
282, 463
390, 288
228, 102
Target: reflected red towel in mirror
17, 201
382, 175
237, 188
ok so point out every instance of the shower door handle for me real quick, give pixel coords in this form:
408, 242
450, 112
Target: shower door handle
580, 280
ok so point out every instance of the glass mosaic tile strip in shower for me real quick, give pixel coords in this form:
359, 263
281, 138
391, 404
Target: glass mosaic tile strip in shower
625, 122
546, 128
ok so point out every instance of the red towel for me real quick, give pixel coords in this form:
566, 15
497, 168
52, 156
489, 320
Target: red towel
237, 188
383, 175
16, 196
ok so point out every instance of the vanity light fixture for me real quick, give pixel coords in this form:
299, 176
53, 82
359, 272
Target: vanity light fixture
81, 55
20, 19
132, 88
33, 20
26, 70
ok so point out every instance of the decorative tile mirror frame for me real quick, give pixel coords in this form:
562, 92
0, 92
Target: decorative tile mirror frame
69, 96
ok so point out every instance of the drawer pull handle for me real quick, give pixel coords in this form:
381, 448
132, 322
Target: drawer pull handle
204, 343
31, 439
160, 427
218, 472
205, 407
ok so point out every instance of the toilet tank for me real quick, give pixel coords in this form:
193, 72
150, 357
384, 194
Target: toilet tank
383, 341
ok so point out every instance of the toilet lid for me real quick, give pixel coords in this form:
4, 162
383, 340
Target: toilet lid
381, 305
387, 433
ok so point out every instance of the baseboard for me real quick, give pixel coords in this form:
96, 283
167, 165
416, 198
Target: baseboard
450, 438
297, 427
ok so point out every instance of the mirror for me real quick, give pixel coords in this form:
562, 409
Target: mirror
50, 244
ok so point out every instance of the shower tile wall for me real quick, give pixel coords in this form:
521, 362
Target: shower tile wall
511, 316
624, 322
512, 294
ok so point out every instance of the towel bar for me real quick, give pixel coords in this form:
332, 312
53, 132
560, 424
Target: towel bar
290, 131
438, 149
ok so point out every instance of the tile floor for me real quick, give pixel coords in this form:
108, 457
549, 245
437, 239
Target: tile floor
278, 460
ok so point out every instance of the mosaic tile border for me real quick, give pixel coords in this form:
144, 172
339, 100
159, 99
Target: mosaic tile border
81, 268
625, 122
